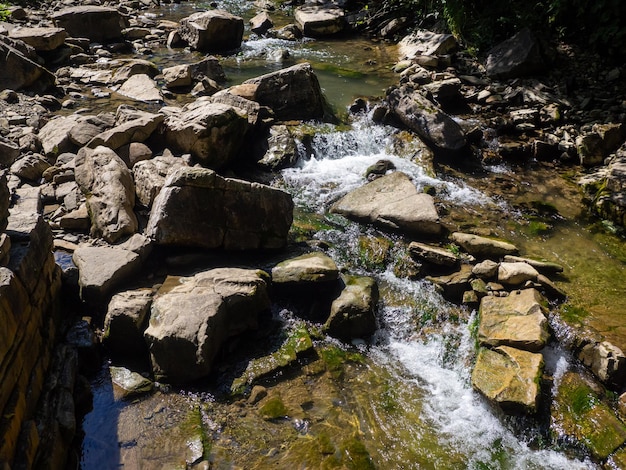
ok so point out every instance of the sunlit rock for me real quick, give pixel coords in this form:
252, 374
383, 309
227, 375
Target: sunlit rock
125, 321
309, 268
516, 274
99, 24
606, 361
425, 43
128, 384
212, 31
150, 175
40, 38
319, 20
483, 247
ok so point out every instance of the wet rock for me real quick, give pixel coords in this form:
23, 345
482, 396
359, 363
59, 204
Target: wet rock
150, 175
515, 274
425, 43
606, 361
193, 317
391, 202
261, 23
212, 31
292, 93
212, 133
424, 118
282, 151
141, 88
309, 268
128, 384
509, 378
319, 20
99, 24
517, 320
125, 321
101, 269
42, 39
453, 286
199, 208
352, 314
378, 169
483, 247
578, 415
433, 254
518, 56
19, 69
487, 269
108, 186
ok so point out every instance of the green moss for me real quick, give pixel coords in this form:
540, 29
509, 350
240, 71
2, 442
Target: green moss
572, 313
355, 455
373, 252
273, 408
537, 227
306, 224
339, 71
334, 357
193, 428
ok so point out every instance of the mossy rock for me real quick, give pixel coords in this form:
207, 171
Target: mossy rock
273, 408
578, 414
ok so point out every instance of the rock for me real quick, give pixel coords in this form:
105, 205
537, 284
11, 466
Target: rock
212, 31
128, 384
141, 88
257, 115
196, 207
8, 152
378, 169
212, 133
595, 146
134, 152
282, 151
433, 254
42, 39
55, 135
483, 247
76, 220
138, 128
544, 267
391, 202
578, 415
606, 361
292, 93
125, 321
30, 167
424, 118
509, 378
352, 314
485, 269
453, 286
86, 128
425, 43
518, 56
516, 274
19, 71
193, 317
101, 269
517, 320
319, 20
106, 182
99, 24
261, 23
184, 75
309, 268
150, 175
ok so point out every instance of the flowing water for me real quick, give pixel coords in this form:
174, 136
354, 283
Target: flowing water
408, 399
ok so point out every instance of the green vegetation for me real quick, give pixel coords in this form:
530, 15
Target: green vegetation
4, 11
572, 314
273, 408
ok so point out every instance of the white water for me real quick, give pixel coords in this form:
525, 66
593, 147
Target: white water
439, 363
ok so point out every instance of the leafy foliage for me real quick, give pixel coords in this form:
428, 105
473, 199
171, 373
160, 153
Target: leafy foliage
4, 11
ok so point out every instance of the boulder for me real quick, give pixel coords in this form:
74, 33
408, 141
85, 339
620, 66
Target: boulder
517, 320
313, 267
424, 118
509, 378
125, 321
8, 152
212, 133
55, 135
193, 317
433, 255
281, 151
108, 186
515, 274
391, 202
518, 56
86, 128
319, 20
292, 93
261, 23
150, 175
352, 314
138, 128
606, 361
578, 415
453, 286
483, 247
99, 24
30, 167
212, 31
197, 207
19, 71
141, 87
425, 43
486, 269
257, 115
101, 269
42, 39
595, 146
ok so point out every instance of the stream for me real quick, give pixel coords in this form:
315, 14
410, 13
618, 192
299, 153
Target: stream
405, 396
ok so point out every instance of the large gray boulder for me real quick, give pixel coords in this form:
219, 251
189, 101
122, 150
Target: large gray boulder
517, 320
137, 127
391, 202
19, 71
42, 39
212, 31
99, 24
212, 133
107, 184
292, 93
509, 377
150, 175
319, 20
423, 117
425, 43
196, 207
193, 317
125, 321
518, 56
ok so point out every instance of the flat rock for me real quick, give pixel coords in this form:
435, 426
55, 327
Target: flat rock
319, 20
41, 38
483, 247
141, 87
137, 129
212, 31
308, 268
99, 24
391, 202
509, 378
515, 274
425, 43
517, 320
432, 254
544, 267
